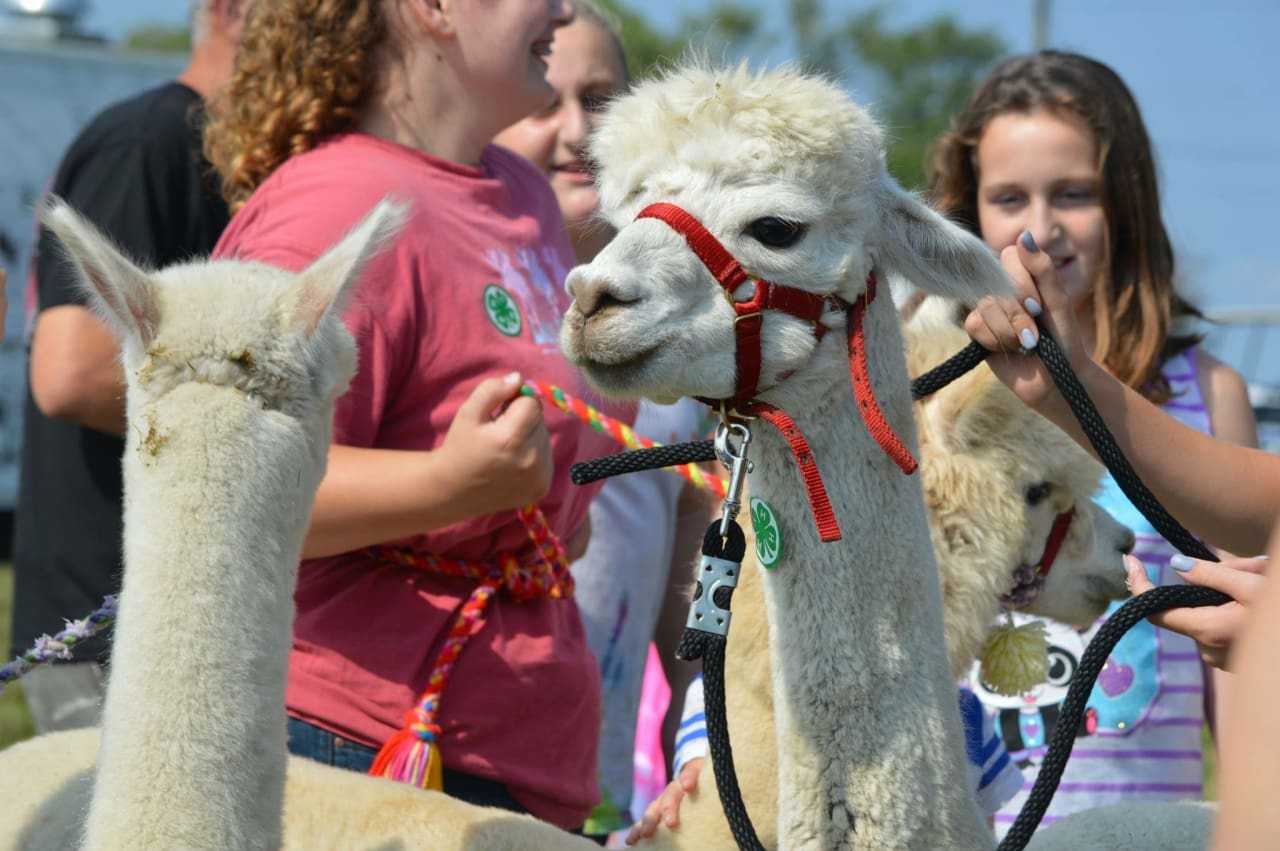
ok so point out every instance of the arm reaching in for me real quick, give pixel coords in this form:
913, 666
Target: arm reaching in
1214, 628
666, 807
1250, 744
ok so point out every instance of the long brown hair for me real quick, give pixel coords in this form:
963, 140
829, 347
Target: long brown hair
304, 71
1135, 304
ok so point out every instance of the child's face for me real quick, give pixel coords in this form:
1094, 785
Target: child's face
504, 47
1038, 171
585, 70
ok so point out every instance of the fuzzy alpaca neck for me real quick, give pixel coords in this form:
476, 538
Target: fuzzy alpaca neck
869, 740
217, 496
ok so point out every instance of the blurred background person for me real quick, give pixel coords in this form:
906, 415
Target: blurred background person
645, 527
135, 171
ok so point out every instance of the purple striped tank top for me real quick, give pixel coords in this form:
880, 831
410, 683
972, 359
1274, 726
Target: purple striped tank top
1142, 737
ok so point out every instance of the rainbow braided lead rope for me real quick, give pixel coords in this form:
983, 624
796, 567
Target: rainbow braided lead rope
619, 431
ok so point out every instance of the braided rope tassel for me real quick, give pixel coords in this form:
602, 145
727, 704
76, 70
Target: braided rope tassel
47, 648
619, 431
412, 754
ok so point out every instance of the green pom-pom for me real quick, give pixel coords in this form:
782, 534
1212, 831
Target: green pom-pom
1015, 659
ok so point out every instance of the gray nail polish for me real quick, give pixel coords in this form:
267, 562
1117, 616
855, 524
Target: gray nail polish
1029, 242
1027, 338
1182, 563
1032, 306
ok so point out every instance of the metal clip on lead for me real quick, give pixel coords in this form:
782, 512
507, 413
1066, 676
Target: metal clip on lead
735, 458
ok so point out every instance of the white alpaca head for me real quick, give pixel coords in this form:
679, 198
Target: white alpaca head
788, 173
275, 336
995, 477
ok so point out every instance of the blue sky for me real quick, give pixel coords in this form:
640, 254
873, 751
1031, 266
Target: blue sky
1203, 73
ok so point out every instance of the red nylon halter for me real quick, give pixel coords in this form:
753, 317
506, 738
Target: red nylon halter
749, 322
1058, 534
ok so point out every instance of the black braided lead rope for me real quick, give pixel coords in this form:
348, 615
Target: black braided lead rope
948, 371
1156, 600
1073, 708
1095, 656
636, 460
710, 648
1091, 423
1105, 445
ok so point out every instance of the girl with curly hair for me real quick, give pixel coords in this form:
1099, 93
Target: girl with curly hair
1051, 153
417, 545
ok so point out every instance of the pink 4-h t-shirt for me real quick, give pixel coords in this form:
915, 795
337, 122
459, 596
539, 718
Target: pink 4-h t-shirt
472, 288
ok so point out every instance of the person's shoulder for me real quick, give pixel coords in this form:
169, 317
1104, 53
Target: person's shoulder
520, 175
1226, 397
356, 170
311, 200
147, 118
1220, 377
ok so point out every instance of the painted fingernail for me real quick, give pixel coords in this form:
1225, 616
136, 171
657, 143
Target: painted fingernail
1027, 338
1029, 242
1182, 563
1032, 306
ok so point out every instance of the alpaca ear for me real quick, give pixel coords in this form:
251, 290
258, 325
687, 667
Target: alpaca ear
122, 293
920, 248
324, 286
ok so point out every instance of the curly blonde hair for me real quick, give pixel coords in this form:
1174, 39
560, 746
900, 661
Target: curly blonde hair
304, 71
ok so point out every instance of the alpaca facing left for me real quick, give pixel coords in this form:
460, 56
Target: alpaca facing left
229, 429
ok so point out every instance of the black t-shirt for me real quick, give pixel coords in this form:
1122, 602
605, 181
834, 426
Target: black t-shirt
137, 173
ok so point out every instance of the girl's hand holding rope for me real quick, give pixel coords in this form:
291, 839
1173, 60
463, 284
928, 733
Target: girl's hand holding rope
1214, 628
498, 449
1006, 325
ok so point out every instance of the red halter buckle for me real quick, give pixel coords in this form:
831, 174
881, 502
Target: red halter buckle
748, 326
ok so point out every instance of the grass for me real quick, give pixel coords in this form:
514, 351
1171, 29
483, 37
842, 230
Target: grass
15, 723
1210, 765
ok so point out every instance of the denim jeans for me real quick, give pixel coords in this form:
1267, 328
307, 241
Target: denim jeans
328, 748
314, 743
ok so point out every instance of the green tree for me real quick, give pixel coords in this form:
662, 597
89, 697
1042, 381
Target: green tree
928, 73
726, 27
924, 72
157, 38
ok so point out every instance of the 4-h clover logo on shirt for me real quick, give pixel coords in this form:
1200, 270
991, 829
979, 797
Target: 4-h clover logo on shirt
503, 311
768, 532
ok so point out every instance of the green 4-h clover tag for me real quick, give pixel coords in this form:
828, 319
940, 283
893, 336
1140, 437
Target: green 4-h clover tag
503, 311
768, 532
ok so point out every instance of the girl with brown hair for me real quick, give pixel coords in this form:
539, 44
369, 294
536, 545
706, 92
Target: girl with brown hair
1052, 153
425, 586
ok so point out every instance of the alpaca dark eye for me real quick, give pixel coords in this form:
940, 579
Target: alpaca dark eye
1037, 493
775, 232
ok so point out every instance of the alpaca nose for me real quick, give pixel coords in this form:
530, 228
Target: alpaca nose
593, 293
1127, 541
